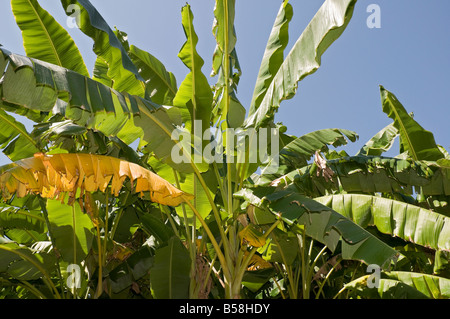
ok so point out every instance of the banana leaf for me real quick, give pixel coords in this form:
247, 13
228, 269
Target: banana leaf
45, 39
188, 184
169, 275
327, 226
22, 263
369, 174
409, 222
304, 58
54, 176
195, 92
282, 248
91, 104
15, 217
100, 72
300, 150
16, 142
227, 108
71, 229
128, 272
156, 227
419, 143
161, 85
224, 32
403, 285
273, 55
381, 142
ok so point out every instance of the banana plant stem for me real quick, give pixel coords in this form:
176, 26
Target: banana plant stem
219, 253
189, 239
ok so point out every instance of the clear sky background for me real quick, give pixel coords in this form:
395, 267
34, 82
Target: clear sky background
409, 55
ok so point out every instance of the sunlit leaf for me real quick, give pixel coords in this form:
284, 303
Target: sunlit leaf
15, 139
409, 222
381, 142
195, 92
273, 55
402, 285
53, 176
72, 230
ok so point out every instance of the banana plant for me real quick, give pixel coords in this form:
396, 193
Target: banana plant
212, 202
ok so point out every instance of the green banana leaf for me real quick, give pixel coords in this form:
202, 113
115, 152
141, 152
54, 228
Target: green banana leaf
71, 229
299, 151
121, 71
22, 263
375, 174
432, 286
195, 92
130, 271
273, 55
224, 32
16, 142
61, 129
403, 285
160, 84
15, 217
189, 184
24, 236
45, 39
101, 68
444, 152
381, 142
169, 275
304, 58
419, 143
156, 227
367, 174
227, 108
409, 222
327, 226
22, 221
91, 104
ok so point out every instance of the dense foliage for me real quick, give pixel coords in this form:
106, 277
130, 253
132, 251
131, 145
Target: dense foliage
87, 213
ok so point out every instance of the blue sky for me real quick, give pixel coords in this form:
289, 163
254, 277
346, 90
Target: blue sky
409, 56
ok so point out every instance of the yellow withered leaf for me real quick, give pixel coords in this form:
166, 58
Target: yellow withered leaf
252, 236
53, 176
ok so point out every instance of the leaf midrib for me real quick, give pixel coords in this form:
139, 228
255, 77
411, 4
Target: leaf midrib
194, 73
403, 128
160, 76
170, 269
50, 40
